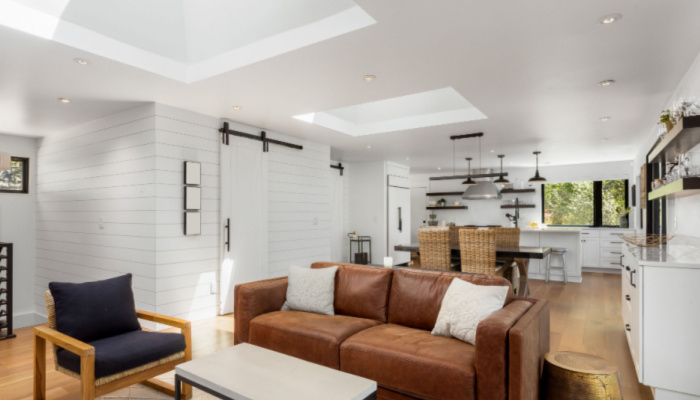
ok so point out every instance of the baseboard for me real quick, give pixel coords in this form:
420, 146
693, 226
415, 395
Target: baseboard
27, 319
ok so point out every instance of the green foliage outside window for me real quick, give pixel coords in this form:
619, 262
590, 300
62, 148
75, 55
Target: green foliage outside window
573, 203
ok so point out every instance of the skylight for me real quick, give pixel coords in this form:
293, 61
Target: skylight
419, 110
186, 40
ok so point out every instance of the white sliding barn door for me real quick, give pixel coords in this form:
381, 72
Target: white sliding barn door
244, 203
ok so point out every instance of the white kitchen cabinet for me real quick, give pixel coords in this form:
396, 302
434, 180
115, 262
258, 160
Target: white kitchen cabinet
660, 315
590, 251
554, 237
399, 225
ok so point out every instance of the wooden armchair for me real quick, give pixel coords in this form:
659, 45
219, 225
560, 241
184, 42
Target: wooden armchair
90, 387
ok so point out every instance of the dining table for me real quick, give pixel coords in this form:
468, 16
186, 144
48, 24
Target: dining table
502, 252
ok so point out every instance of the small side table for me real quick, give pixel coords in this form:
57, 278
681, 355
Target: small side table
360, 255
575, 376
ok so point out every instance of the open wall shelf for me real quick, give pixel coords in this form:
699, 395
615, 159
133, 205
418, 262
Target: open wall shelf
505, 191
683, 137
447, 208
680, 188
521, 206
445, 194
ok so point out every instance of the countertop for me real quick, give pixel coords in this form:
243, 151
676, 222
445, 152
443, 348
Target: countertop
573, 229
681, 251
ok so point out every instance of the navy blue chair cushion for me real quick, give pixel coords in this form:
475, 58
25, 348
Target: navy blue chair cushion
95, 310
123, 352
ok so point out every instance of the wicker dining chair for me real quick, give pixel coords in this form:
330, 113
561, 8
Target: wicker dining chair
92, 386
434, 246
478, 252
454, 234
508, 237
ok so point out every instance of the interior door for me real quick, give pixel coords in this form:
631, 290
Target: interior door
399, 220
244, 210
338, 229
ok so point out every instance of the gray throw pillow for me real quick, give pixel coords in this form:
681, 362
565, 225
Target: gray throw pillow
311, 290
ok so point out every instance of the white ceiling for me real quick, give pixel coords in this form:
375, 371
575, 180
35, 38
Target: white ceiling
531, 67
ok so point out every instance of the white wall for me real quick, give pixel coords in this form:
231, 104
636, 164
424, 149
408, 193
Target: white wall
18, 226
186, 266
683, 216
299, 198
488, 212
106, 171
368, 205
340, 214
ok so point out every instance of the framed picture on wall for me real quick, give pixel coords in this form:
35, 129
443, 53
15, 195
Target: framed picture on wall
193, 223
193, 198
193, 173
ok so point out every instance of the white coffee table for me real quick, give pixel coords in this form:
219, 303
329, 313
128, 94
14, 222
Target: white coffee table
247, 372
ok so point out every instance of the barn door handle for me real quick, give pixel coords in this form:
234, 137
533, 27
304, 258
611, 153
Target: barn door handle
400, 221
228, 234
632, 278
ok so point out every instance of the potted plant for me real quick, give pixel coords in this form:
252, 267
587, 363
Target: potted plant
442, 202
622, 213
666, 119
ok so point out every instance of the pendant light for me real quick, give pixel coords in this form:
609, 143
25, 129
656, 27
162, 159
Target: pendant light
469, 181
501, 180
5, 161
537, 178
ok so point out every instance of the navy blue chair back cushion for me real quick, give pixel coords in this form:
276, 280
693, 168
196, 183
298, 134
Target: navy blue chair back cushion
95, 310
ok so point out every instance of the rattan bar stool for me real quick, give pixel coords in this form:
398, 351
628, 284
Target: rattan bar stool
561, 253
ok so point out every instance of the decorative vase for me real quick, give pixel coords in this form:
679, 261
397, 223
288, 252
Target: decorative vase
624, 222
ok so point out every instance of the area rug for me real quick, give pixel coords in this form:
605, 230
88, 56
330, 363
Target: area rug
142, 392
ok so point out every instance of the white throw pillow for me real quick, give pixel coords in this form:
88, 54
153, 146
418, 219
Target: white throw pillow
464, 306
311, 290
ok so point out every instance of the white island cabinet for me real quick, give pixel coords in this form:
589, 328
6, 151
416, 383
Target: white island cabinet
661, 315
568, 238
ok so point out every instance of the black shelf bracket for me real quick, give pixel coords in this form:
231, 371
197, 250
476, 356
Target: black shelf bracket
226, 132
339, 167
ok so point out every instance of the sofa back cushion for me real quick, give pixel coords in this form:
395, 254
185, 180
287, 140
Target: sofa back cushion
416, 296
361, 291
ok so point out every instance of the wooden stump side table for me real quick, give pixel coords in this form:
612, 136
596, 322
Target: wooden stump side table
575, 376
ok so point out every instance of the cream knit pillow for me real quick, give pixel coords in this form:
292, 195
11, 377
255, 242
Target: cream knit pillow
464, 306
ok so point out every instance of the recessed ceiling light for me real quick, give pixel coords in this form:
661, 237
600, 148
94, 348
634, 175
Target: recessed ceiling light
369, 147
604, 119
609, 19
604, 140
369, 78
236, 107
81, 61
606, 83
439, 168
407, 158
63, 100
493, 151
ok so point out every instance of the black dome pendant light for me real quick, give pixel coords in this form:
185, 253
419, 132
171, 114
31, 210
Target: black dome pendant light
469, 181
537, 178
501, 180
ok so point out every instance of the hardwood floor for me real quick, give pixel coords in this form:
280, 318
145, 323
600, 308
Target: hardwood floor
585, 318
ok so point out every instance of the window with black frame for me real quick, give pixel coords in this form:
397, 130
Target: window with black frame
585, 203
16, 179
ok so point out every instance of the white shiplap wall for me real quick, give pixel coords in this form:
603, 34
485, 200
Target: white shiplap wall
186, 266
104, 170
127, 171
299, 204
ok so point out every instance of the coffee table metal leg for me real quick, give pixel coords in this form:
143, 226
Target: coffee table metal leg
178, 387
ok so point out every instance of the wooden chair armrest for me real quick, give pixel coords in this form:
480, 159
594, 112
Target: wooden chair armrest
64, 341
162, 319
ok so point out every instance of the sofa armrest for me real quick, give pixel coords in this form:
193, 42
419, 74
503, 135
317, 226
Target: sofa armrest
491, 361
529, 342
253, 299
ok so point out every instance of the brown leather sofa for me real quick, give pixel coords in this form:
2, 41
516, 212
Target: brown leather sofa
381, 331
